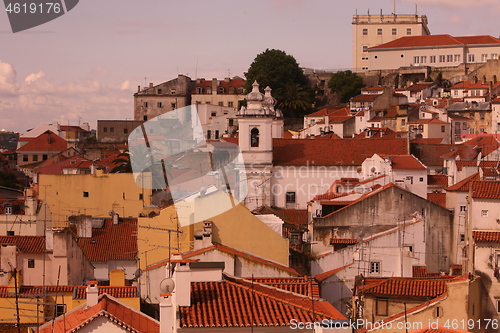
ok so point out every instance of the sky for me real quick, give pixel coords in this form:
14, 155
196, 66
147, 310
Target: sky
87, 64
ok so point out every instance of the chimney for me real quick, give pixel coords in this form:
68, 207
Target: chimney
84, 226
138, 88
207, 234
92, 293
30, 202
115, 218
167, 314
198, 240
151, 85
182, 280
490, 91
215, 84
474, 80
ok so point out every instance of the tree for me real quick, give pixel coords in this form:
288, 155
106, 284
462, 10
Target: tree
281, 72
122, 163
346, 84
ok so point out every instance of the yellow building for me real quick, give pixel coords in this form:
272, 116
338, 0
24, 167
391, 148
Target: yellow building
236, 227
95, 195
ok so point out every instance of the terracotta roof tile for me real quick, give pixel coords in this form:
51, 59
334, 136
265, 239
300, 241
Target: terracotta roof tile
26, 244
47, 141
485, 189
435, 40
342, 152
80, 292
417, 287
421, 271
117, 312
241, 303
364, 97
295, 216
419, 86
437, 198
405, 162
304, 285
331, 112
428, 121
486, 236
438, 180
463, 185
111, 241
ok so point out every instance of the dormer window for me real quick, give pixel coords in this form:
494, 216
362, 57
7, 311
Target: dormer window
221, 90
254, 137
199, 90
8, 210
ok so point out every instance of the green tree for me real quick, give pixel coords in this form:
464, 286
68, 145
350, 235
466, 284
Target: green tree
8, 179
281, 72
346, 84
122, 163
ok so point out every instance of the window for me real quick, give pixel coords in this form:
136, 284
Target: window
159, 104
35, 158
456, 57
230, 104
60, 309
379, 31
290, 197
365, 48
213, 114
408, 31
105, 129
221, 90
364, 58
423, 59
484, 213
464, 126
382, 306
31, 263
481, 116
432, 59
207, 102
449, 58
112, 129
209, 134
494, 56
145, 104
141, 196
462, 237
216, 134
199, 90
442, 58
421, 179
209, 90
470, 58
85, 194
484, 57
438, 312
44, 157
25, 158
145, 118
442, 129
394, 31
125, 130
10, 233
416, 59
172, 105
221, 103
375, 267
254, 137
158, 91
365, 32
172, 91
403, 122
8, 211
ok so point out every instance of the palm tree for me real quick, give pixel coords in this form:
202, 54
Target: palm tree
296, 100
122, 163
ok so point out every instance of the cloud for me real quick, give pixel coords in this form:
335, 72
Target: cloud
37, 100
32, 77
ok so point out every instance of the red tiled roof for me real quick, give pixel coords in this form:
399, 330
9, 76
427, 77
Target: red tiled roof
437, 198
117, 312
304, 285
56, 168
339, 119
438, 180
485, 189
435, 141
235, 83
17, 206
241, 303
471, 85
418, 287
80, 292
47, 141
295, 216
436, 40
405, 162
325, 275
463, 185
379, 88
364, 97
486, 236
71, 128
333, 152
111, 241
428, 121
460, 164
26, 244
348, 241
421, 271
331, 112
419, 86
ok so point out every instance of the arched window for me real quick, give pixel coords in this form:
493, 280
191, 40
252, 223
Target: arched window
232, 90
199, 90
254, 137
221, 90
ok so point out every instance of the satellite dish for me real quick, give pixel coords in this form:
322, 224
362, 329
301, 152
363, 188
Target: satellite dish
138, 273
167, 285
373, 170
111, 213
